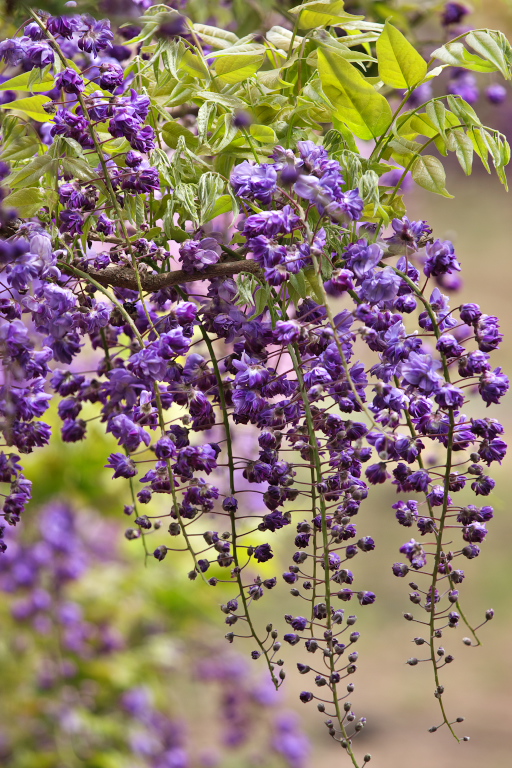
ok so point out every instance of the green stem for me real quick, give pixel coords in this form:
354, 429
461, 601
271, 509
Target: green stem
232, 515
292, 350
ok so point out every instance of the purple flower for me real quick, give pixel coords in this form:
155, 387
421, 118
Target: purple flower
406, 512
105, 225
142, 139
449, 396
366, 598
420, 371
287, 331
195, 255
496, 93
414, 553
72, 222
362, 258
40, 54
349, 205
111, 75
383, 285
271, 223
95, 35
12, 52
263, 553
70, 81
339, 282
453, 13
493, 386
73, 431
122, 465
257, 182
129, 434
475, 532
400, 569
306, 696
464, 84
440, 259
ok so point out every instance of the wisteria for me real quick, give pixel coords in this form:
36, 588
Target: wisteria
236, 293
47, 582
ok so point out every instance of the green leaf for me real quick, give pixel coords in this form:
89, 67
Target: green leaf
235, 67
22, 149
321, 14
282, 38
262, 299
480, 146
490, 46
464, 111
356, 103
223, 204
209, 189
246, 285
21, 83
263, 133
223, 135
314, 284
400, 65
403, 149
34, 171
456, 55
437, 114
206, 111
32, 107
428, 172
224, 99
369, 189
458, 142
26, 201
218, 38
299, 284
194, 65
171, 132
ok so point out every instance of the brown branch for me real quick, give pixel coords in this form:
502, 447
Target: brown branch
124, 277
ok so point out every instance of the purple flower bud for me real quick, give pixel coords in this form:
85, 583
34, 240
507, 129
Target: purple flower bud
263, 553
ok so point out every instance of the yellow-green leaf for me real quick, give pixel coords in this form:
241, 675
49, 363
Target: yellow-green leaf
493, 47
458, 142
480, 146
26, 201
456, 55
223, 204
356, 103
235, 67
400, 64
321, 14
32, 107
173, 130
428, 172
263, 133
20, 83
194, 65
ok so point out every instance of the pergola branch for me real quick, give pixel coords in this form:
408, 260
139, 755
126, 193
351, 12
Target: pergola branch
124, 277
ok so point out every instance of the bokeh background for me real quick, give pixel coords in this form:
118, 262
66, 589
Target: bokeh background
170, 624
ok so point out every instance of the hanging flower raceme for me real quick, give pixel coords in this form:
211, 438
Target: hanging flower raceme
248, 410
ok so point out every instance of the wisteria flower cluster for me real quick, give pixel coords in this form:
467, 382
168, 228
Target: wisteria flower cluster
269, 334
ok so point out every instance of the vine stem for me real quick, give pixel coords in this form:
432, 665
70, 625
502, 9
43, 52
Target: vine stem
232, 515
446, 372
292, 349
